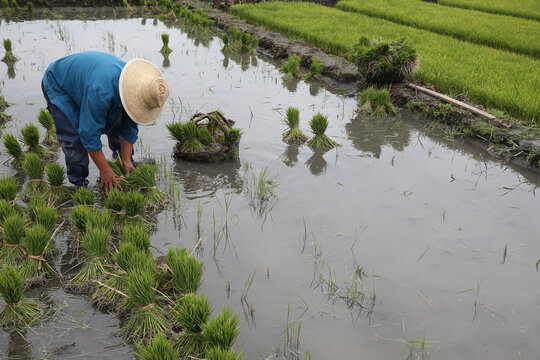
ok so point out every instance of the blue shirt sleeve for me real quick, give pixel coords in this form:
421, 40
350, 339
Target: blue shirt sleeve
128, 128
92, 117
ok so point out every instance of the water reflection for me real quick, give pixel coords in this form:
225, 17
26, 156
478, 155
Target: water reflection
11, 70
19, 347
291, 84
166, 62
290, 155
199, 37
370, 134
316, 163
314, 89
244, 60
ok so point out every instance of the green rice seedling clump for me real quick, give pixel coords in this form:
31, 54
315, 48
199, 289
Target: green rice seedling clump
30, 137
34, 169
527, 9
316, 67
159, 349
293, 135
6, 210
8, 188
176, 131
137, 235
318, 125
376, 102
56, 175
191, 143
291, 67
79, 217
5, 4
46, 120
117, 167
38, 242
147, 319
95, 246
204, 136
15, 5
14, 229
186, 271
133, 204
29, 6
192, 313
17, 311
84, 196
45, 216
14, 149
234, 135
222, 331
165, 39
216, 353
8, 57
143, 179
4, 117
100, 219
235, 40
115, 200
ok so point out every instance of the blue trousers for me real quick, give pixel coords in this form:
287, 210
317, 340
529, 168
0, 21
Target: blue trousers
75, 153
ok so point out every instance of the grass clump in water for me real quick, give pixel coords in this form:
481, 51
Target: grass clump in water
291, 67
137, 235
14, 149
186, 271
159, 349
235, 40
8, 188
176, 131
8, 57
222, 331
376, 102
192, 313
315, 68
143, 178
318, 125
37, 244
46, 120
293, 135
17, 311
165, 39
13, 233
83, 196
34, 169
95, 246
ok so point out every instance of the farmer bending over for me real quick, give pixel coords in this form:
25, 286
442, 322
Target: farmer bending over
93, 93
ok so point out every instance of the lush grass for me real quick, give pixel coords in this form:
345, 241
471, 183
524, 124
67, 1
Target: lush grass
491, 77
528, 9
504, 32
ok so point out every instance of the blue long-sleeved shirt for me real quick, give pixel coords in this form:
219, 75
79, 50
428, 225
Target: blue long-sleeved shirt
84, 87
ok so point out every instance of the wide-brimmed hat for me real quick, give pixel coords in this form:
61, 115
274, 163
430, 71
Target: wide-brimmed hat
143, 91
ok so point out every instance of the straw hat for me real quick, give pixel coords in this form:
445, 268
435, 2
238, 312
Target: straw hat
143, 91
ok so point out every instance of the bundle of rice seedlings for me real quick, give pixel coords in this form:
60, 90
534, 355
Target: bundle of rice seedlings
186, 271
8, 57
159, 349
38, 242
221, 331
95, 246
147, 319
29, 6
45, 216
83, 196
318, 125
56, 175
176, 131
382, 62
34, 169
204, 136
133, 204
165, 39
79, 217
8, 188
315, 68
117, 167
13, 231
14, 149
17, 311
30, 137
234, 135
115, 200
192, 312
143, 178
293, 135
6, 210
191, 143
100, 219
291, 67
46, 120
376, 102
137, 235
216, 353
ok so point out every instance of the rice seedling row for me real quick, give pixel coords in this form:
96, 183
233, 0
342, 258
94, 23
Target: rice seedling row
503, 32
527, 9
449, 64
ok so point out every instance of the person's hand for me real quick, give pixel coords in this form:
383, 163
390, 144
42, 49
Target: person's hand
128, 166
108, 180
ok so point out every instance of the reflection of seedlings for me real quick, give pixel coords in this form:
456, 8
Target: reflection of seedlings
165, 39
316, 163
318, 125
191, 312
293, 135
34, 169
18, 311
199, 218
160, 348
13, 227
94, 244
290, 155
8, 188
14, 149
291, 67
8, 57
46, 120
166, 62
376, 102
11, 70
247, 286
314, 90
83, 196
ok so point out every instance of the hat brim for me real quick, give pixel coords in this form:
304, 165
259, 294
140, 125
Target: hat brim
129, 87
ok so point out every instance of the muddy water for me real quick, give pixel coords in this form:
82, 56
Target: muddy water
424, 220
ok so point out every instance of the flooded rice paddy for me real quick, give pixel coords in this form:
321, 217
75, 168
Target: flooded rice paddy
391, 245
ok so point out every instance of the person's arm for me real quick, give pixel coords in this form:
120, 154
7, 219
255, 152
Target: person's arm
126, 149
107, 175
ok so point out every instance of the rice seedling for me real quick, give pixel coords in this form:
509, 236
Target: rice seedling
30, 6
293, 135
5, 4
8, 57
6, 210
236, 40
95, 246
13, 232
15, 5
222, 330
115, 200
147, 319
56, 175
133, 204
14, 149
216, 353
527, 9
176, 130
376, 102
38, 242
8, 188
191, 143
204, 136
143, 178
318, 125
30, 137
117, 167
34, 169
137, 235
159, 349
17, 311
46, 120
165, 39
79, 217
234, 135
291, 67
83, 196
100, 219
186, 271
191, 312
45, 216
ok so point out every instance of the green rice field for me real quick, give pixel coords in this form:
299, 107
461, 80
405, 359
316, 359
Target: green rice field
504, 32
491, 77
528, 9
